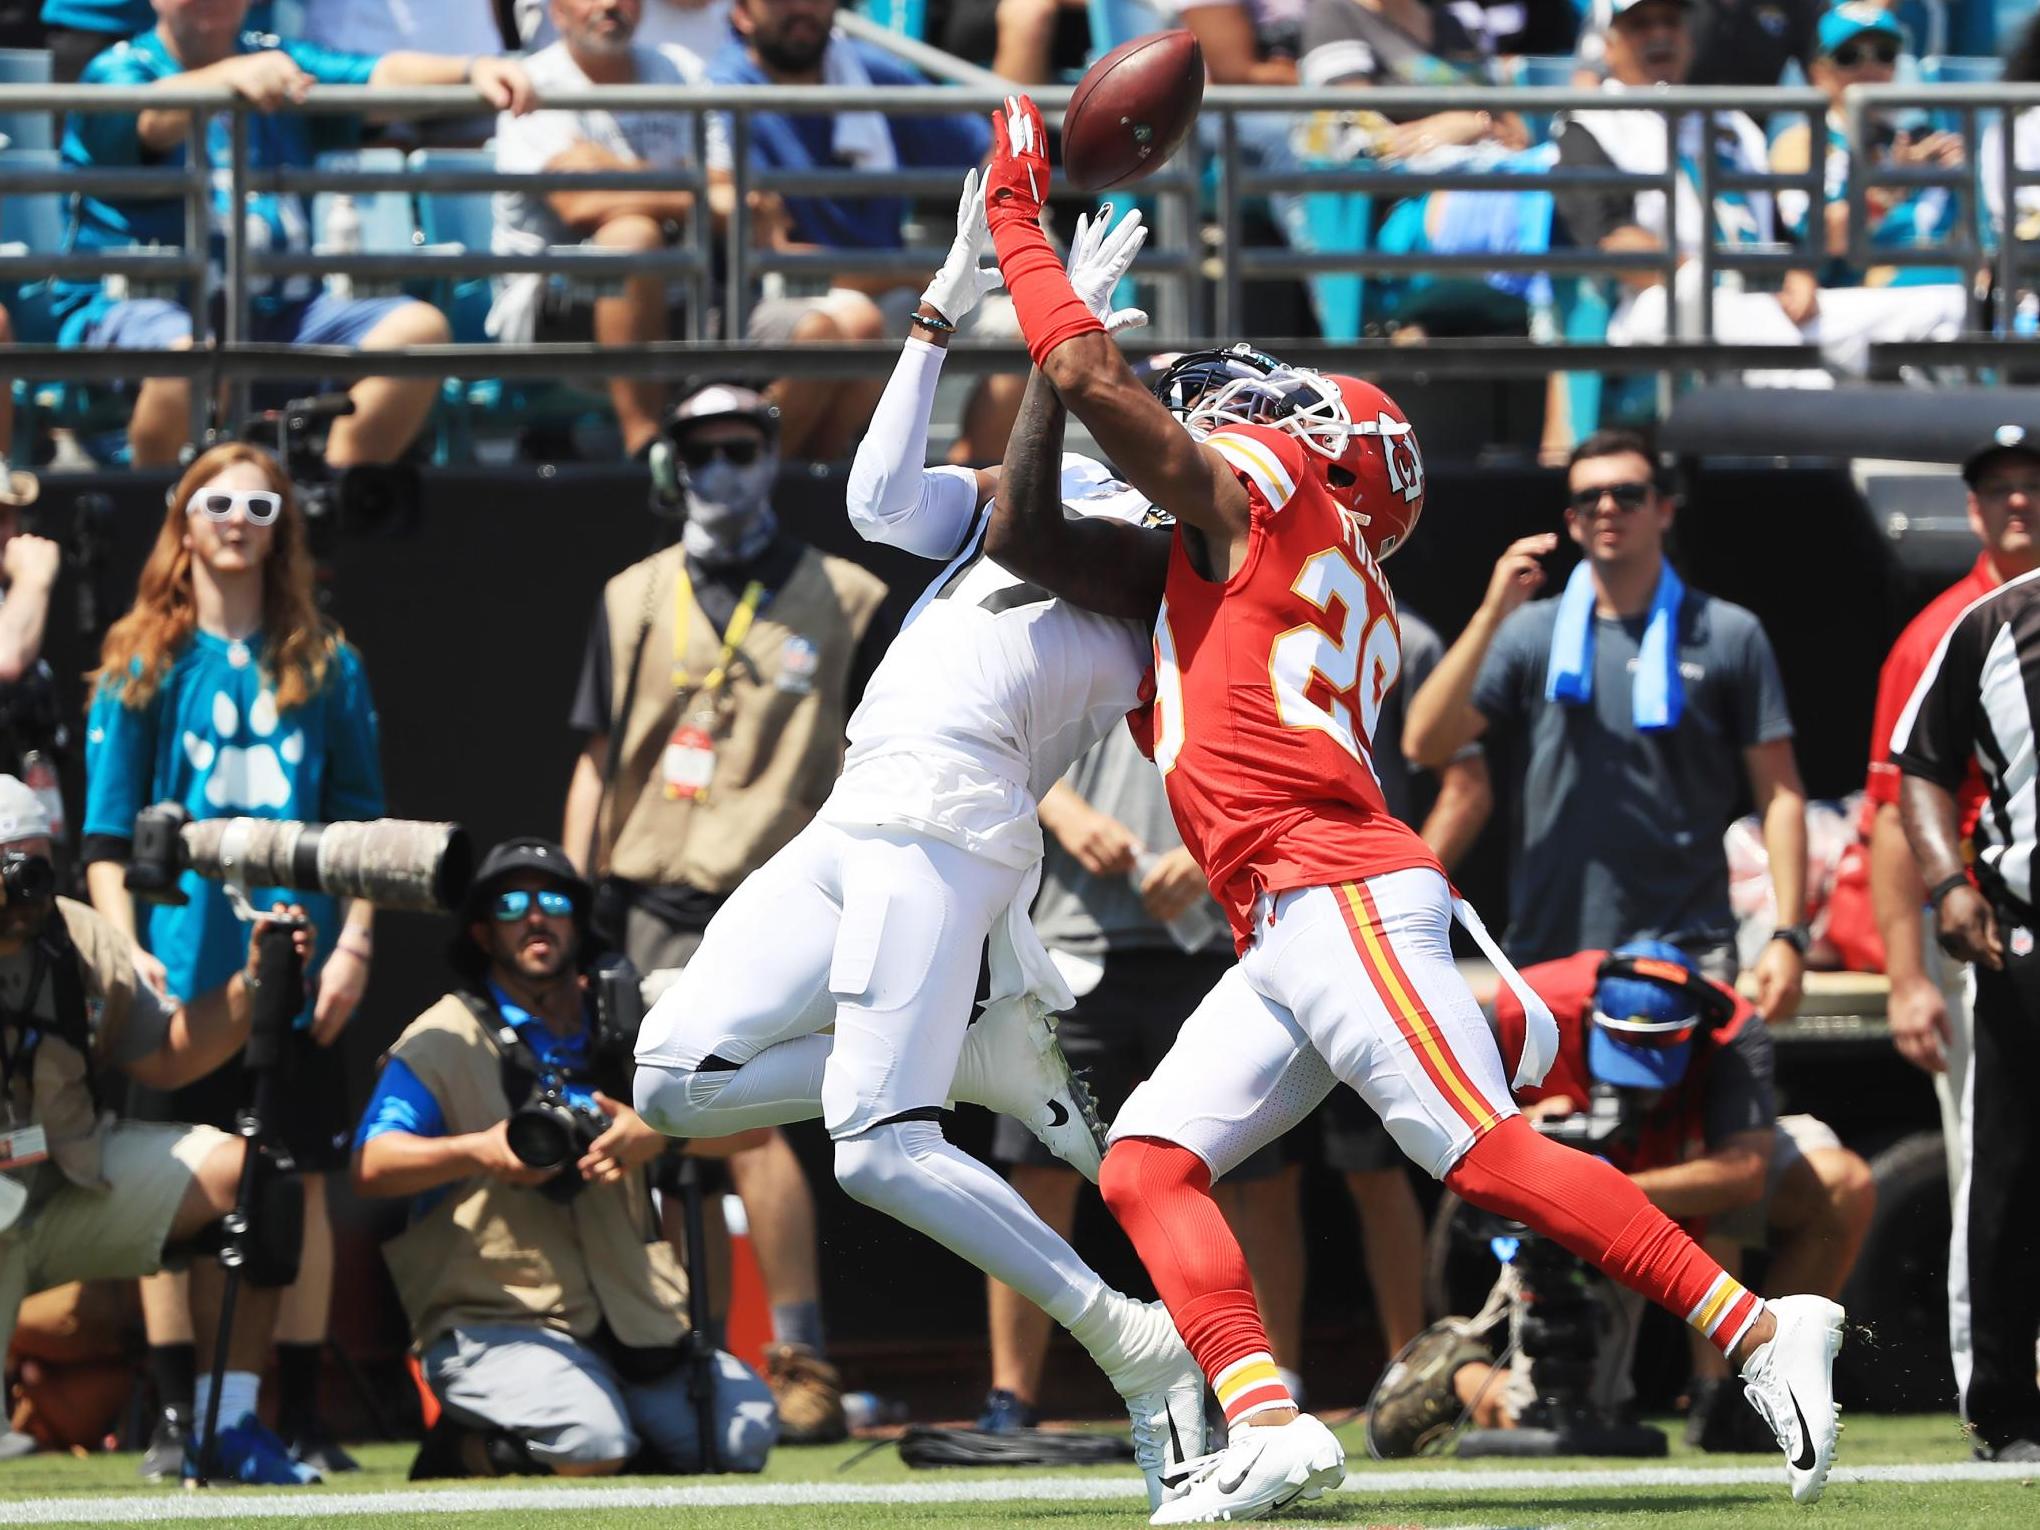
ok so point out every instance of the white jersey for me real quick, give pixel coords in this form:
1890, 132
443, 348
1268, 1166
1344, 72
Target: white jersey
990, 692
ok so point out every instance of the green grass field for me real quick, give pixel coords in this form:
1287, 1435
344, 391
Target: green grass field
812, 1488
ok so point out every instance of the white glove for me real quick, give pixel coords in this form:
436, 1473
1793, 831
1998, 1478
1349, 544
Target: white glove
1099, 257
961, 282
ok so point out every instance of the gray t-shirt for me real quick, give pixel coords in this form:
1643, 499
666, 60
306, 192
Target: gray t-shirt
1078, 912
1618, 833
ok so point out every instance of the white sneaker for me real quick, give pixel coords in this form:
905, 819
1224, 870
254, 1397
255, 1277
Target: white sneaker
1164, 1393
1791, 1383
1012, 1063
1259, 1472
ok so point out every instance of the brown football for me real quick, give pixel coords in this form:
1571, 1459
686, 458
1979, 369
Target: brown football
1132, 110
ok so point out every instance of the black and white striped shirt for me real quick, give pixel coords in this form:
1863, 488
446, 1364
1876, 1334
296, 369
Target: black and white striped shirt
1980, 696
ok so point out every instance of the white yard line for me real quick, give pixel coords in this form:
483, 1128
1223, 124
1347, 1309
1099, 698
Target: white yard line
134, 1509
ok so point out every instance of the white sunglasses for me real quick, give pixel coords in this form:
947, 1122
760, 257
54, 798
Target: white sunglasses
260, 506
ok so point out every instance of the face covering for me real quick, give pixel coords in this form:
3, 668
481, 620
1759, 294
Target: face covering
729, 509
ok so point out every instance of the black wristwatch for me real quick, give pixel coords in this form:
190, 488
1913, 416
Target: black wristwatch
1794, 935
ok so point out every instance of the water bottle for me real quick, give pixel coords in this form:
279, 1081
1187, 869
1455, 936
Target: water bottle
39, 775
867, 1410
1192, 929
2026, 317
343, 237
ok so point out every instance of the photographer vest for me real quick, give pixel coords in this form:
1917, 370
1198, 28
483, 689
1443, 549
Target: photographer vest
778, 729
489, 1252
94, 980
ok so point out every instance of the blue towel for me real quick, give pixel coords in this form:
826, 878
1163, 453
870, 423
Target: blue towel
1657, 695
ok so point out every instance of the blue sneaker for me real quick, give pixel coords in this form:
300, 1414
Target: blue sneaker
250, 1453
1005, 1413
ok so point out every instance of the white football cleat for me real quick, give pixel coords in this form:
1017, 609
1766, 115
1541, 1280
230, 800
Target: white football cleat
1258, 1472
1790, 1381
1164, 1393
1012, 1063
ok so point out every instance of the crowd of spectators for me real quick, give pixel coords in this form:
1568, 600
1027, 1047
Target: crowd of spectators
272, 51
224, 689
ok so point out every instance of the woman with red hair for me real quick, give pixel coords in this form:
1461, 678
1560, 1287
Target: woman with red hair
224, 689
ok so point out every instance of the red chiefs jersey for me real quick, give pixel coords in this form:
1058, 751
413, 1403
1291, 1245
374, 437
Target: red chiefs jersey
1675, 1127
1267, 690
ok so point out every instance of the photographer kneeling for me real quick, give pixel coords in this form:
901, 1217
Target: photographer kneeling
545, 1305
85, 1196
1670, 1076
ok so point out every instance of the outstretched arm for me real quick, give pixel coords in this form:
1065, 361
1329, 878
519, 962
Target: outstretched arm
1105, 566
892, 495
1108, 566
1071, 345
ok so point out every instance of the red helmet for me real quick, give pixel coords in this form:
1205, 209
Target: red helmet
1377, 473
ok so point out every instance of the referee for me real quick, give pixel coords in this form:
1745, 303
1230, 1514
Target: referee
1978, 699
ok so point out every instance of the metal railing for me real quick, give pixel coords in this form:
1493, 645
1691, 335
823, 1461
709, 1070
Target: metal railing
1869, 106
1196, 299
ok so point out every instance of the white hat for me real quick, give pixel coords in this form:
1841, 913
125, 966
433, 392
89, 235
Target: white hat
22, 814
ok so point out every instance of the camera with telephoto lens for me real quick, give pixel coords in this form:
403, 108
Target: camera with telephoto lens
392, 863
549, 1129
26, 878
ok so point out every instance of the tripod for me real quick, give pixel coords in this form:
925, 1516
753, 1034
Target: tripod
279, 994
701, 1357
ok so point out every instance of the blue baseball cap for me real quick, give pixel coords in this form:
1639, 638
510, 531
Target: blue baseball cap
1642, 1031
1852, 18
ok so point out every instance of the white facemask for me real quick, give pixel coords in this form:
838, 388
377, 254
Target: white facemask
729, 509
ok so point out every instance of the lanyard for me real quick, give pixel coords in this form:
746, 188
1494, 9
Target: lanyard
733, 637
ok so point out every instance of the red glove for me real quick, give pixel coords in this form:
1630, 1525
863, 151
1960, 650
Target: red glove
1016, 183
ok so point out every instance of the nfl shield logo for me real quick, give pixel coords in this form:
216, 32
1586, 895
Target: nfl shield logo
2022, 942
798, 661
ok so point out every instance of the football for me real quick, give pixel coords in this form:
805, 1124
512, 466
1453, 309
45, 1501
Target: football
1132, 110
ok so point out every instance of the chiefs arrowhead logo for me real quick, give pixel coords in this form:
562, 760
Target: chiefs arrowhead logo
1405, 467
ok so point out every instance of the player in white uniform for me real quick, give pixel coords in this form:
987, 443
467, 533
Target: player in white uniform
873, 917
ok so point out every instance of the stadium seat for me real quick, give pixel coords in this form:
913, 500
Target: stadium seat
389, 223
25, 130
467, 407
909, 18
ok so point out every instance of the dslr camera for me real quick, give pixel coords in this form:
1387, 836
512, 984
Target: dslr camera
550, 1129
26, 878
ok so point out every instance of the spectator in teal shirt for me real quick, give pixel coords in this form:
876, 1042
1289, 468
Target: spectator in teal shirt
223, 689
202, 42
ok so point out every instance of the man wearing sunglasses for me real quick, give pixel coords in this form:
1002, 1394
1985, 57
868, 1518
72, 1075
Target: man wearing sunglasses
546, 1308
1636, 712
717, 682
1686, 1068
1860, 44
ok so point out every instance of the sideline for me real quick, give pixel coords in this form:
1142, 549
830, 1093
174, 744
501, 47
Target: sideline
248, 1504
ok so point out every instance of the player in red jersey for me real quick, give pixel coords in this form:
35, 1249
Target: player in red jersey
1276, 639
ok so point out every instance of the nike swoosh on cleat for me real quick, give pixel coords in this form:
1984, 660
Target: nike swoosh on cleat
1234, 1485
1174, 1479
1057, 1115
1804, 1460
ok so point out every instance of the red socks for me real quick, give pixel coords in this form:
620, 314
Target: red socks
1587, 1205
1161, 1195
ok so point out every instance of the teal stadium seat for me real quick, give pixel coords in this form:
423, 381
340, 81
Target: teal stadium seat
26, 130
495, 405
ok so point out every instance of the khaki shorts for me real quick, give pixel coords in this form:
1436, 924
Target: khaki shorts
81, 1234
1796, 1137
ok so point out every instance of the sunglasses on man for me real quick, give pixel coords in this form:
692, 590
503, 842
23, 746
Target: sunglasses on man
1627, 496
261, 507
699, 454
514, 905
1855, 52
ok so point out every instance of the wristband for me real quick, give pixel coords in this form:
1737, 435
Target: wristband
934, 321
1945, 886
1047, 306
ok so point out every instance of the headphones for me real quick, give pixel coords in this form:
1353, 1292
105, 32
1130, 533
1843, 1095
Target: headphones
1715, 1007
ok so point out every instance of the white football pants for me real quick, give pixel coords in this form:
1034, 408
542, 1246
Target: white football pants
1352, 983
877, 932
